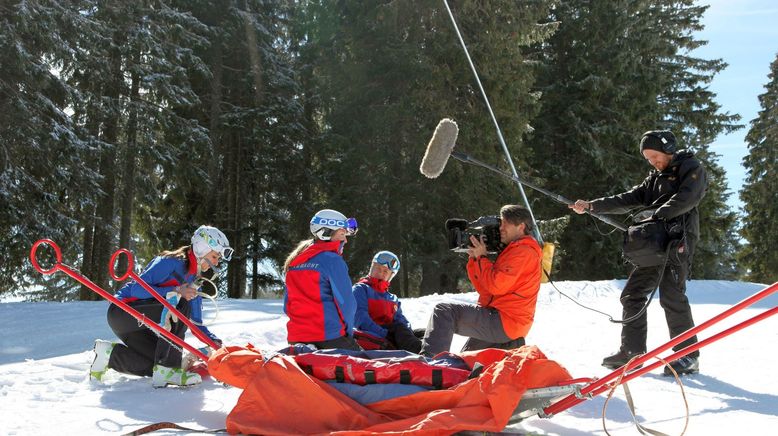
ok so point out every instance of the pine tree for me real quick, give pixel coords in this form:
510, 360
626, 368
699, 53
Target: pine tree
42, 152
385, 74
243, 179
760, 192
611, 72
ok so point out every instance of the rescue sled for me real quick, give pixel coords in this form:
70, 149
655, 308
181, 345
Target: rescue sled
283, 395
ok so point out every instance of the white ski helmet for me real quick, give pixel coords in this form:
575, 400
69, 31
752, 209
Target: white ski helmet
207, 238
327, 221
389, 260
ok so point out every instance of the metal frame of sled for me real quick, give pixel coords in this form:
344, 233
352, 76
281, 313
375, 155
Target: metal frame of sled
549, 401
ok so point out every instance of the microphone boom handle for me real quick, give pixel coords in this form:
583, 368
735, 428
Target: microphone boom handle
462, 157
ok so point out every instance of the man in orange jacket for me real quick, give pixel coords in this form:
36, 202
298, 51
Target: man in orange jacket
507, 292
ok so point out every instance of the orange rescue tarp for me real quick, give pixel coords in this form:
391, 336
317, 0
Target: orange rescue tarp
280, 398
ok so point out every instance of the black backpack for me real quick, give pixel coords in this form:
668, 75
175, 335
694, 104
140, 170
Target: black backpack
645, 243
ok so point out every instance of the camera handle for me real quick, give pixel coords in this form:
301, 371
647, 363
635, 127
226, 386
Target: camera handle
462, 157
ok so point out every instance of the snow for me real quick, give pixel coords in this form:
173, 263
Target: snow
45, 353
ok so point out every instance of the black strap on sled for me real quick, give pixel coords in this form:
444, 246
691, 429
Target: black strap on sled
405, 376
370, 377
164, 425
340, 375
437, 378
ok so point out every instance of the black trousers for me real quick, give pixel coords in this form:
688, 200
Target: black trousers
403, 338
141, 347
672, 298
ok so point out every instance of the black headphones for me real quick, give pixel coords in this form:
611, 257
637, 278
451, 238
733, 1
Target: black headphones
666, 137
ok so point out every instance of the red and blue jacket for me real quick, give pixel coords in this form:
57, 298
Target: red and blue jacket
164, 274
318, 298
377, 307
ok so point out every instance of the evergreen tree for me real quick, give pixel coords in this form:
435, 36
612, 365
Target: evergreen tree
131, 78
385, 74
245, 179
760, 192
43, 176
611, 72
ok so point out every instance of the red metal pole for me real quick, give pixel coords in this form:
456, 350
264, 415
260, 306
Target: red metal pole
59, 266
599, 386
131, 274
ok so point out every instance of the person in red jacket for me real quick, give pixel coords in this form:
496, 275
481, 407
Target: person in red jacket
378, 310
318, 298
507, 292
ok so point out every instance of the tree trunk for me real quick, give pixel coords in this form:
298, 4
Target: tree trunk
128, 176
90, 212
88, 223
105, 228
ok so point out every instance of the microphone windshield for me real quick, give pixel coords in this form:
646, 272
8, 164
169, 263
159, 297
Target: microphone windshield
439, 148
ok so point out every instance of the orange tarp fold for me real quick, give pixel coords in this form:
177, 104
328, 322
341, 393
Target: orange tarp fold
280, 398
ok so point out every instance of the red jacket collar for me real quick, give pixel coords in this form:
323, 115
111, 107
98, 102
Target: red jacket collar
377, 284
193, 267
316, 248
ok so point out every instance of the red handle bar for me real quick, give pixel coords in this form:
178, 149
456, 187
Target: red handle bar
59, 266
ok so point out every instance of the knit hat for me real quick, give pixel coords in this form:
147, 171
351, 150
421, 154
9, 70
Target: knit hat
659, 140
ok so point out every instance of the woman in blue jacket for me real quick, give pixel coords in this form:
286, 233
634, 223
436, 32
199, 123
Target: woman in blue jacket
172, 274
378, 310
318, 298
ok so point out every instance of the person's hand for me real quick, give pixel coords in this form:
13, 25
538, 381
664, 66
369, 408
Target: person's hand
580, 206
187, 291
478, 249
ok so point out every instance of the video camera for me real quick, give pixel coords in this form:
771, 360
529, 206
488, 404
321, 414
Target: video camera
459, 231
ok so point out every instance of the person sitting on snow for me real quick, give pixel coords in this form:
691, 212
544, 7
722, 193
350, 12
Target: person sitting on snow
172, 274
378, 310
318, 298
507, 292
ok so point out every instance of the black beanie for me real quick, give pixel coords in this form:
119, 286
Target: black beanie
659, 140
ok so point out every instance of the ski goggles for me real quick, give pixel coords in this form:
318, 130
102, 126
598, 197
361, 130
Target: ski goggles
350, 224
387, 260
225, 252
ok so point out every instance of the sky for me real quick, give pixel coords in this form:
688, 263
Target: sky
744, 34
46, 350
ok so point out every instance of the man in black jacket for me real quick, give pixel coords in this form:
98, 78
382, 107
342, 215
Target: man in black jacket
670, 194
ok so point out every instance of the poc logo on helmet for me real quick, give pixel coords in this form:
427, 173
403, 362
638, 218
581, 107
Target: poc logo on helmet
329, 222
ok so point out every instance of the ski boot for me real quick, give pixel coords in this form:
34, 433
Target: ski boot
164, 376
619, 359
99, 366
683, 365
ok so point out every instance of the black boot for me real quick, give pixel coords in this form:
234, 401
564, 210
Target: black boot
684, 365
620, 359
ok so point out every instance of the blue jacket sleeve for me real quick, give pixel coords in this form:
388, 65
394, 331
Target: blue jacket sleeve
341, 290
399, 318
159, 271
197, 317
362, 318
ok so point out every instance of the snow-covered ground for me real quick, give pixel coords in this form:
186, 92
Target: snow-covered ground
45, 353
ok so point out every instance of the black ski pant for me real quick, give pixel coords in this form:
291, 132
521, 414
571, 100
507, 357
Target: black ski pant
672, 298
141, 347
482, 325
403, 337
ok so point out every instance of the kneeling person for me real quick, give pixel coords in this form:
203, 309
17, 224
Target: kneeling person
378, 310
507, 292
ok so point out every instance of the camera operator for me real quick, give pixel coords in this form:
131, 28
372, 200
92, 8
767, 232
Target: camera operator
507, 292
